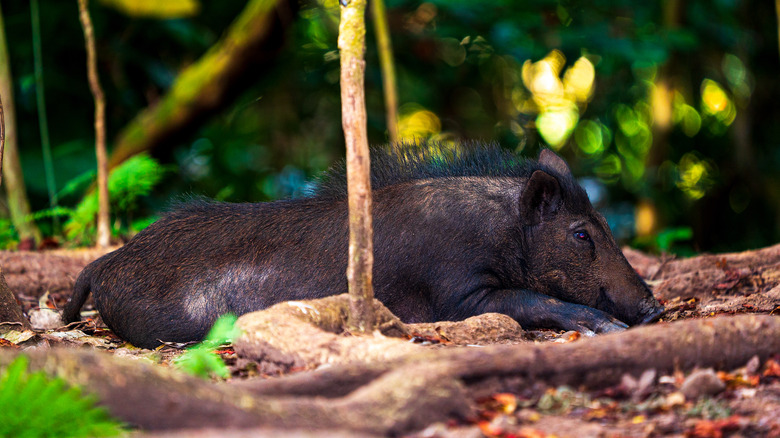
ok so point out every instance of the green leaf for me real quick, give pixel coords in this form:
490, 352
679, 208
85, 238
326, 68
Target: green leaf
201, 360
223, 331
162, 9
36, 405
668, 237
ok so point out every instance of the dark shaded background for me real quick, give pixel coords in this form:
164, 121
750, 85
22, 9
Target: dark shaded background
678, 131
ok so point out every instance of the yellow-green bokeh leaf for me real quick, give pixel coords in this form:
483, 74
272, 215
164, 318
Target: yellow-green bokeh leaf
416, 122
556, 126
163, 9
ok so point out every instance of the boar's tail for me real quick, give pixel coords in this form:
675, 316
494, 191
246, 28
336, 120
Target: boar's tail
81, 290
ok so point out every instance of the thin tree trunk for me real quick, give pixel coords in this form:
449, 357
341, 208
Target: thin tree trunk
10, 310
385, 48
352, 36
16, 192
103, 223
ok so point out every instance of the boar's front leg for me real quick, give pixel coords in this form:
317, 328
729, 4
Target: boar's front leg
534, 310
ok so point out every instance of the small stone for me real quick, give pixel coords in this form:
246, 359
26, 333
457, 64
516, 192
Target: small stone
701, 383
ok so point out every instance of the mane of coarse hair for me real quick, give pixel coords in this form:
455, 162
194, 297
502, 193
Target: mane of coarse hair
404, 162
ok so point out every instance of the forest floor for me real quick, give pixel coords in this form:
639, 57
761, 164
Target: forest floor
692, 398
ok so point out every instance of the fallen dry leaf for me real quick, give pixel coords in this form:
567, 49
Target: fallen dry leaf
772, 368
738, 380
716, 428
7, 343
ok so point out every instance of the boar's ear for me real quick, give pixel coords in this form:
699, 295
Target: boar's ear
553, 161
540, 199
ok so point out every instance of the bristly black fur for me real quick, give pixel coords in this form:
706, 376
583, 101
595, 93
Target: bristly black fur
480, 234
405, 162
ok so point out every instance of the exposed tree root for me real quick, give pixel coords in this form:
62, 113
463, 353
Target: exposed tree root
272, 337
157, 398
659, 268
10, 311
384, 384
410, 391
723, 342
755, 271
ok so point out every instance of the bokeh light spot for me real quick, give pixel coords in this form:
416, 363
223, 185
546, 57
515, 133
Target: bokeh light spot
589, 137
555, 127
609, 168
416, 122
695, 175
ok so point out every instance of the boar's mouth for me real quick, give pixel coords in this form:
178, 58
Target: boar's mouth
646, 311
653, 316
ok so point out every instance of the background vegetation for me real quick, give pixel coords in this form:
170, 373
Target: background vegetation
667, 110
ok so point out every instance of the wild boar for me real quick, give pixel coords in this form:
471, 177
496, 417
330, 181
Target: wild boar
457, 233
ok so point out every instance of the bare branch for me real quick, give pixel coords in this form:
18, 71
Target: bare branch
103, 224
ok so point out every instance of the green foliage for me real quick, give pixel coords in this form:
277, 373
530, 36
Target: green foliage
679, 113
8, 235
201, 360
35, 405
127, 183
674, 240
51, 212
167, 9
667, 238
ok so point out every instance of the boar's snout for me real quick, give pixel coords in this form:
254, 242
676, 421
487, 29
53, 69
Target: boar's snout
631, 301
651, 311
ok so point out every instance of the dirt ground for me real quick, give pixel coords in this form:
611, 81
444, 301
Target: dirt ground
691, 403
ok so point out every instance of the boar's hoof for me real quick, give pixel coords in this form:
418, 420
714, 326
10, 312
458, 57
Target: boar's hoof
611, 326
653, 316
591, 322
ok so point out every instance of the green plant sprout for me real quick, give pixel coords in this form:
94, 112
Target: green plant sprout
200, 359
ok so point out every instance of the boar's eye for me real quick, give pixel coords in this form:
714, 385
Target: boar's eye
582, 235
